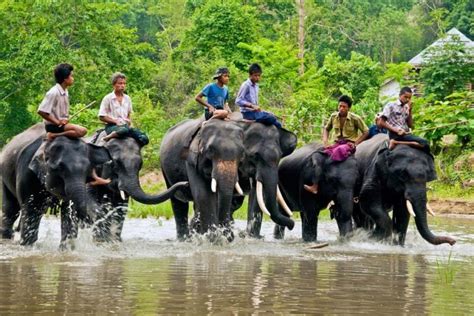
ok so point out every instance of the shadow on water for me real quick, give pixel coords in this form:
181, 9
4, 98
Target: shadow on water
150, 273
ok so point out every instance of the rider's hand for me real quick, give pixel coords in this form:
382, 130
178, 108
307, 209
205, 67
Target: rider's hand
63, 122
401, 132
211, 109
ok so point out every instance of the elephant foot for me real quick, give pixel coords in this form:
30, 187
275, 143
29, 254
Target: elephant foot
66, 245
279, 232
6, 233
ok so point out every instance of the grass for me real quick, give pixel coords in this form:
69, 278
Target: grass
447, 270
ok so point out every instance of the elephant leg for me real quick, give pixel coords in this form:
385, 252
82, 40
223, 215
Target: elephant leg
400, 221
180, 210
309, 221
278, 231
11, 210
69, 226
254, 216
371, 203
32, 212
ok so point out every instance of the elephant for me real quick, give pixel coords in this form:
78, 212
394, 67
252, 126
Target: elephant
335, 179
207, 154
395, 179
126, 164
32, 184
264, 146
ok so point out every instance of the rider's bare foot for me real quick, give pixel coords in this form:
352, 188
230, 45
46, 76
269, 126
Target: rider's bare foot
50, 136
311, 188
392, 144
100, 181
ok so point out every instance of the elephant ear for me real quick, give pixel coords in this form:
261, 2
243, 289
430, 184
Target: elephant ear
317, 163
431, 172
38, 162
98, 155
288, 142
191, 140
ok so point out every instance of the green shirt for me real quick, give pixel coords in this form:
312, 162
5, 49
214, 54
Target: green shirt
350, 131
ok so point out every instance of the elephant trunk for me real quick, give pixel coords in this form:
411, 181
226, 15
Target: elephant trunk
344, 207
85, 207
269, 180
224, 176
418, 200
131, 185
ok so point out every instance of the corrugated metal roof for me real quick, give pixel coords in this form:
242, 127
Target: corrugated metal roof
419, 59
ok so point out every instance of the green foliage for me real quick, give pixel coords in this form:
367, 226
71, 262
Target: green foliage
454, 115
217, 29
448, 69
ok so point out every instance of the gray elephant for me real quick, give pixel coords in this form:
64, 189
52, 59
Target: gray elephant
123, 171
335, 179
207, 155
395, 179
32, 184
264, 146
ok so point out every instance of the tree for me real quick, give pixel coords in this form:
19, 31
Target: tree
448, 68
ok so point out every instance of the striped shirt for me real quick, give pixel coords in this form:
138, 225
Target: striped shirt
397, 115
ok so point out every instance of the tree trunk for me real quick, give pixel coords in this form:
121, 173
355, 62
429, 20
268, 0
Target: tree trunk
301, 16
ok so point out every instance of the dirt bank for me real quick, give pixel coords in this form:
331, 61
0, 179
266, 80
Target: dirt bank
452, 206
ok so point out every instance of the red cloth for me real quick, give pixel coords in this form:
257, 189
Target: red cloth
340, 151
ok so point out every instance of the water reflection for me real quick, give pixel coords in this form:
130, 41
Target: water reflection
156, 276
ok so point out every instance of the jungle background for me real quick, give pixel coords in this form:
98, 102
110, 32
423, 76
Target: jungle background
311, 53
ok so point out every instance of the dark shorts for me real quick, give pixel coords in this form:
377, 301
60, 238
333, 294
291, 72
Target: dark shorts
208, 115
50, 128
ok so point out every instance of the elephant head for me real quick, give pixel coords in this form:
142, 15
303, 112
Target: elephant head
336, 181
124, 172
212, 161
406, 171
264, 146
65, 168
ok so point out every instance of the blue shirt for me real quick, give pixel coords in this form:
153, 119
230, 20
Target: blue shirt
374, 130
216, 96
248, 94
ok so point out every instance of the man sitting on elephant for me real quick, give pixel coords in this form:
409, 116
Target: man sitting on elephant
54, 109
349, 131
397, 118
115, 110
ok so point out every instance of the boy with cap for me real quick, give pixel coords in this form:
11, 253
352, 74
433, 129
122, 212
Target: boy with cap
217, 96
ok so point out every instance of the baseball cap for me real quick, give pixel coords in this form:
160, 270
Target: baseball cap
220, 71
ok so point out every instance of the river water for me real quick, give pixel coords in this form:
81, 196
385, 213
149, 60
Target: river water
150, 273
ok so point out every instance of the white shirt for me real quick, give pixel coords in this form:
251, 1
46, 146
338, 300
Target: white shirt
55, 103
118, 111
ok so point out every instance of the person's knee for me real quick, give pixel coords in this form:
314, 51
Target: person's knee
81, 131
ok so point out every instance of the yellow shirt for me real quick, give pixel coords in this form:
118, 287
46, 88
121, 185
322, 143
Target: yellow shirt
353, 125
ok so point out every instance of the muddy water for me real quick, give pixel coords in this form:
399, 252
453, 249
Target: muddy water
150, 273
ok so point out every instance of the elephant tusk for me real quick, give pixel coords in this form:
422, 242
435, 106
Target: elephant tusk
430, 210
122, 195
330, 204
214, 185
410, 209
282, 202
260, 201
238, 188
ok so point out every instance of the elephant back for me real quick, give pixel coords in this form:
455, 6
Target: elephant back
12, 150
367, 151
